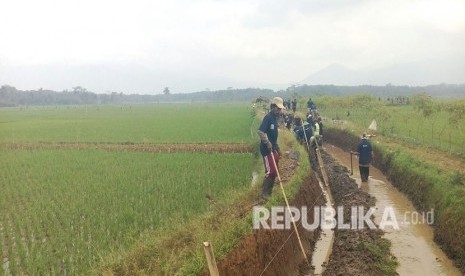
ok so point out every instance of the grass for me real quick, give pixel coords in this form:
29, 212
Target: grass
407, 124
152, 123
379, 249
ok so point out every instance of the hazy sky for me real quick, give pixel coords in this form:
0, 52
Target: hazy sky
188, 45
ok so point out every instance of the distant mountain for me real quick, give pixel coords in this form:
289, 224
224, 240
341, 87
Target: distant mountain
411, 74
334, 74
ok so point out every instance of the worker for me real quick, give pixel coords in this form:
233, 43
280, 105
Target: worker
316, 134
269, 148
366, 155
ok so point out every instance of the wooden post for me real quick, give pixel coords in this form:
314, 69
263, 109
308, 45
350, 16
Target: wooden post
351, 168
210, 259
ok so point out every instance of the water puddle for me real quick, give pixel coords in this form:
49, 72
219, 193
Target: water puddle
324, 245
412, 243
254, 178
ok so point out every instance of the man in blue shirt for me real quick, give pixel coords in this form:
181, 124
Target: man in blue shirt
268, 133
365, 153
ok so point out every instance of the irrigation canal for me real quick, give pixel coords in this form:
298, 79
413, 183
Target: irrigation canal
412, 243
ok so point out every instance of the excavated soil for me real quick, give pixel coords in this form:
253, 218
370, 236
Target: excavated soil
165, 148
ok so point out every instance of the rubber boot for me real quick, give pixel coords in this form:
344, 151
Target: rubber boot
268, 183
364, 172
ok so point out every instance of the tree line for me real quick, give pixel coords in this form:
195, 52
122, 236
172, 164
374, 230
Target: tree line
10, 96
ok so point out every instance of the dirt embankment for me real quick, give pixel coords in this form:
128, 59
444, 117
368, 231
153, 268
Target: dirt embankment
355, 252
165, 148
277, 248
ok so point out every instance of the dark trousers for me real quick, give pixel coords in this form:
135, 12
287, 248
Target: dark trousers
267, 188
364, 172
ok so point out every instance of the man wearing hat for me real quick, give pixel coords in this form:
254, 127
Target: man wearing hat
365, 153
268, 133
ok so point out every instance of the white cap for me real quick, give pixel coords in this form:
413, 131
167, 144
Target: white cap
278, 102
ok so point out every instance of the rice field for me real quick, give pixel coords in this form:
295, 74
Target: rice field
64, 210
154, 123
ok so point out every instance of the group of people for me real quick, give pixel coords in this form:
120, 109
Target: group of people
290, 105
310, 131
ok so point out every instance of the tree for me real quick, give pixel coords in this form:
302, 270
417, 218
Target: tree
166, 91
425, 104
79, 89
456, 111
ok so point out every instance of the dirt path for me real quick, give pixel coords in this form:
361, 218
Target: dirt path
220, 148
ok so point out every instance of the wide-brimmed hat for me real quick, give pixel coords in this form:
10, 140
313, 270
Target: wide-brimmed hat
278, 102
